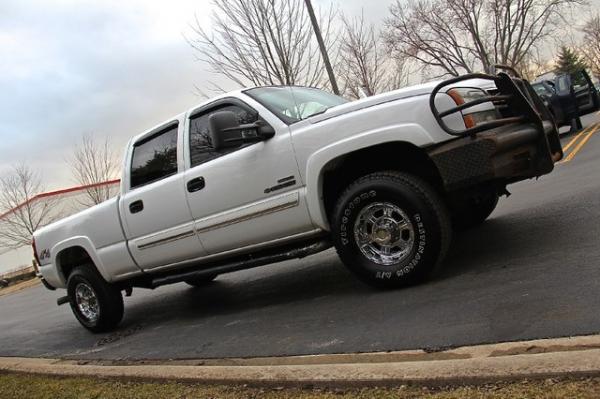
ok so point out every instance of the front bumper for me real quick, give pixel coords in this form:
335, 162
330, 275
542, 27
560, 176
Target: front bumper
508, 154
521, 144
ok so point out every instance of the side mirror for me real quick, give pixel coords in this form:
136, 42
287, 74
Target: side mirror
226, 132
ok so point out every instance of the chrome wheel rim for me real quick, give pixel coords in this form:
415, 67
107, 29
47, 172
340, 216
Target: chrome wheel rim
87, 302
384, 233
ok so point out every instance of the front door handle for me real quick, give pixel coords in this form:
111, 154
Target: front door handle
136, 206
196, 184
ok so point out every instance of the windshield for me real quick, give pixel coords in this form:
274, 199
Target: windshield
293, 104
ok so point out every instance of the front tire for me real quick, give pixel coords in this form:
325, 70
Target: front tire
96, 304
391, 229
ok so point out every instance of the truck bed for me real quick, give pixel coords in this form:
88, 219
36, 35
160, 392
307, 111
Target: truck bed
98, 230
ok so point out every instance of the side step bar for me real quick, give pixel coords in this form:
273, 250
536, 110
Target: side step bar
247, 263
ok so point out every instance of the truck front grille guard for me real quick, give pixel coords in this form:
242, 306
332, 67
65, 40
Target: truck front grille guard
514, 99
518, 104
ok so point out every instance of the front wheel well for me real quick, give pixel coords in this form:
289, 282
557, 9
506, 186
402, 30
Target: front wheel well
397, 156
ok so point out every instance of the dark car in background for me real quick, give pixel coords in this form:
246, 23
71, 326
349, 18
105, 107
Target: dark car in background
557, 94
547, 92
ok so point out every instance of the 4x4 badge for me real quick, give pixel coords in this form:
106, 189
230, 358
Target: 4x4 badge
45, 254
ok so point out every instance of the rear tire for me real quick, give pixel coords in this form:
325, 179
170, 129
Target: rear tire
96, 304
391, 229
201, 281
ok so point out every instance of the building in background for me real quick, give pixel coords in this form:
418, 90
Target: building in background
67, 202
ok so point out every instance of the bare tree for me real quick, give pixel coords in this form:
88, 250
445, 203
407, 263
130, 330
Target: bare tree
92, 164
361, 65
591, 44
263, 42
535, 65
364, 65
399, 72
21, 212
457, 36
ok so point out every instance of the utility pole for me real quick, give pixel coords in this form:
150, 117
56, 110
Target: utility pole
315, 24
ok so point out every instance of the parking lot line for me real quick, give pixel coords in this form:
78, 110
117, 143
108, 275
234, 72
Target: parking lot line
595, 129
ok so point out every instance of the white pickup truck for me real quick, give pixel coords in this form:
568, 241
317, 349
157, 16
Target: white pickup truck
266, 174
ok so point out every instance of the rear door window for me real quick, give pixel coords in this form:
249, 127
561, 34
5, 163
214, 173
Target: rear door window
154, 158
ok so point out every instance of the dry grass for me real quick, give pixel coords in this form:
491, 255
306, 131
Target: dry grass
33, 387
21, 285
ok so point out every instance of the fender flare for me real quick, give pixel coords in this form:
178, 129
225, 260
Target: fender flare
86, 244
405, 133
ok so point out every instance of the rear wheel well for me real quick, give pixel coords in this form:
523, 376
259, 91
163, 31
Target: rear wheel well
69, 258
398, 156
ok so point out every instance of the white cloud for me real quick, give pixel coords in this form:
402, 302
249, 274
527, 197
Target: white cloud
110, 67
107, 67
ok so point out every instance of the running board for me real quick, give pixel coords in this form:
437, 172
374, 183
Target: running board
247, 263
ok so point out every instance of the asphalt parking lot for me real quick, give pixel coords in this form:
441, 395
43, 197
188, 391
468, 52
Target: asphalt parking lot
531, 271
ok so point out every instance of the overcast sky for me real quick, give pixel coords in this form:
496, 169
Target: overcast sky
110, 67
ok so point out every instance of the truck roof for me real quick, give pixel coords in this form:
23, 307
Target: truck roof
418, 89
181, 115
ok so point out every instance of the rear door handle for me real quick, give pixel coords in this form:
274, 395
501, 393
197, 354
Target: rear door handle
136, 206
196, 184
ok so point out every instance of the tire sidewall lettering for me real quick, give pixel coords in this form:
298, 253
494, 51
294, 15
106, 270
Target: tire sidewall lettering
346, 236
345, 231
420, 204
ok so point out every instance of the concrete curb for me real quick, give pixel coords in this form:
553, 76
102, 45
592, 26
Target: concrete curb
568, 357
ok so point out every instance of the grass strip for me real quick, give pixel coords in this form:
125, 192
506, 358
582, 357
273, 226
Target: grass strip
19, 386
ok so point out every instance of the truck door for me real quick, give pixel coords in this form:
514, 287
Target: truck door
585, 91
245, 196
566, 96
156, 219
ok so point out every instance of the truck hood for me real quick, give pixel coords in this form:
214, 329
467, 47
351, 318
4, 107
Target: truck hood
406, 92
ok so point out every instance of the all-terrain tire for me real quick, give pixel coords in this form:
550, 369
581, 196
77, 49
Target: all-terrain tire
417, 211
105, 301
